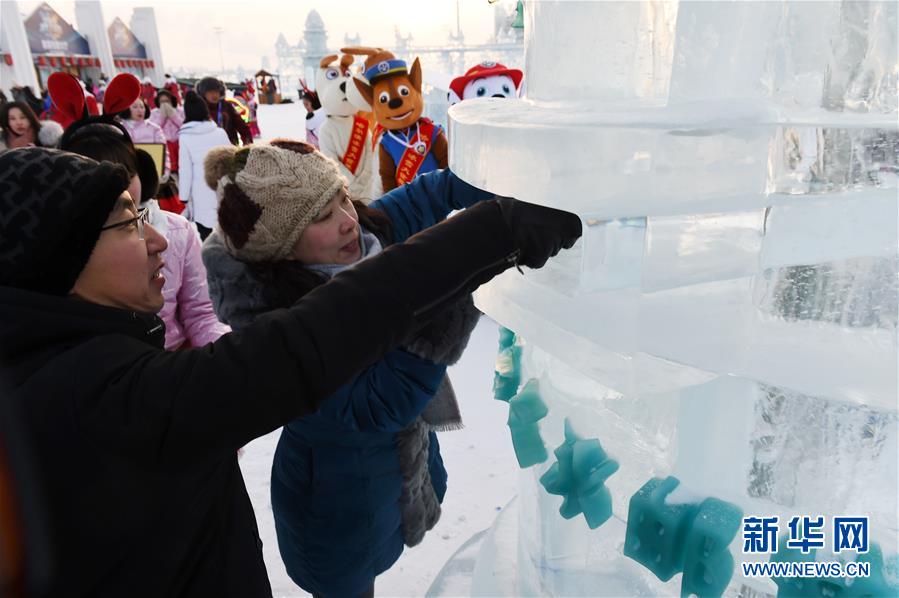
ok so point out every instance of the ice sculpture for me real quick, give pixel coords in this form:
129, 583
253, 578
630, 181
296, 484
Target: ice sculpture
729, 317
526, 409
579, 475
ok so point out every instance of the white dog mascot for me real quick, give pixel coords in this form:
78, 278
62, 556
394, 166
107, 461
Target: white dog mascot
345, 136
486, 80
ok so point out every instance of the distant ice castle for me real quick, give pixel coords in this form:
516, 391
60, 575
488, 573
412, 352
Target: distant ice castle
440, 63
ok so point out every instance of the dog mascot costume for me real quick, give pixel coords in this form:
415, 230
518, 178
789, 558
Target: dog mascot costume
409, 144
486, 80
344, 136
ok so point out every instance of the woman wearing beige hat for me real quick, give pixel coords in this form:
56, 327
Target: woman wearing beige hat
361, 478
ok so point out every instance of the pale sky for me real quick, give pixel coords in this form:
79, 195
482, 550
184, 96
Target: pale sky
252, 26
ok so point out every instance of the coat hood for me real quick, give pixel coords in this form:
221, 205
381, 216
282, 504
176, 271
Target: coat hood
196, 127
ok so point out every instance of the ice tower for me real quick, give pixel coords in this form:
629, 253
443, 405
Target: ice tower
729, 317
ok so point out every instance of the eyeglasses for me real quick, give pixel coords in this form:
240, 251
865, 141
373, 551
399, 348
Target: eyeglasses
142, 218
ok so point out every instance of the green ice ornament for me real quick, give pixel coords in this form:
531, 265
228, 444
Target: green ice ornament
525, 410
708, 563
876, 583
832, 587
691, 538
507, 374
579, 475
506, 338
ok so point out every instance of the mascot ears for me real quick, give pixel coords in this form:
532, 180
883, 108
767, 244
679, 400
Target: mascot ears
121, 92
67, 95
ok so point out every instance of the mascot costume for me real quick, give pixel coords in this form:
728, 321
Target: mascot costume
409, 144
486, 80
344, 136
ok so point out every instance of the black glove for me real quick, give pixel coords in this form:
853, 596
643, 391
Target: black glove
539, 232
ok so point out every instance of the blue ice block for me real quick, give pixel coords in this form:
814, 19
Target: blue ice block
507, 376
656, 532
875, 585
528, 445
506, 338
689, 538
708, 564
795, 586
527, 406
525, 410
579, 475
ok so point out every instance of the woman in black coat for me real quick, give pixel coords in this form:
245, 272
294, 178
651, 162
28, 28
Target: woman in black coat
134, 447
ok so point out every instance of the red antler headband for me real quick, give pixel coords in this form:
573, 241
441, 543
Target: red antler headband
121, 92
69, 98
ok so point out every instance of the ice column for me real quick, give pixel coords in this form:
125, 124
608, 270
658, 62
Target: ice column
729, 316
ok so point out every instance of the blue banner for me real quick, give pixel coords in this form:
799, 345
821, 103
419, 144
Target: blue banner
49, 33
123, 42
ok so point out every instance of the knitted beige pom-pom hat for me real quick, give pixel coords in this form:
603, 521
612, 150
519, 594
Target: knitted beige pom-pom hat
268, 195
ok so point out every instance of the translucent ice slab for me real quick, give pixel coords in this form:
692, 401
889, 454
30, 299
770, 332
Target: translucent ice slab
629, 160
729, 316
806, 328
761, 447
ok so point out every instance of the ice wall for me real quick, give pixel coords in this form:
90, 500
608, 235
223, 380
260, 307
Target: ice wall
730, 313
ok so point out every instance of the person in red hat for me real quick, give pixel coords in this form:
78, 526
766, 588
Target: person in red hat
486, 80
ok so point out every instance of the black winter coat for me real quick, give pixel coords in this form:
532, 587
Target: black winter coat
226, 117
135, 447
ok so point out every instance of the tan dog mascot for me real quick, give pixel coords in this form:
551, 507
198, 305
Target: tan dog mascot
409, 144
344, 136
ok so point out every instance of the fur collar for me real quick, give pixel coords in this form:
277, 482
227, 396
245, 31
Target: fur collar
236, 294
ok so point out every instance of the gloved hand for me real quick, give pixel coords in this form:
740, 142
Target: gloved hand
167, 109
539, 232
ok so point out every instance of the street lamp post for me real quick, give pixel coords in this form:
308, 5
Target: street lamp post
218, 32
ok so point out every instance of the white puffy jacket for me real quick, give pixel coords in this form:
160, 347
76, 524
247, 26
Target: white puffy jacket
195, 140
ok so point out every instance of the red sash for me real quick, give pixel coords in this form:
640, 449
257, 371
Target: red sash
356, 146
411, 160
376, 135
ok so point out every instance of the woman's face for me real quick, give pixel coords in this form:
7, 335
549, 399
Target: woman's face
17, 122
333, 237
163, 99
124, 271
137, 110
212, 96
308, 105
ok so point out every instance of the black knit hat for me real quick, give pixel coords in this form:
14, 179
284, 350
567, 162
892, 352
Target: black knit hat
210, 84
52, 206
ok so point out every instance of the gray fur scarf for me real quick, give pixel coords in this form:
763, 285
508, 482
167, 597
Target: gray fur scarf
442, 341
238, 299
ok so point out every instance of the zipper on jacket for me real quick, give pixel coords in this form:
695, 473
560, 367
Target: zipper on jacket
509, 260
148, 331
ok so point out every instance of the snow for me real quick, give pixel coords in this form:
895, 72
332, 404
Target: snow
482, 479
281, 120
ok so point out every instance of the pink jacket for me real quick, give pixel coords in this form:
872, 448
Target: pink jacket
144, 131
169, 126
187, 313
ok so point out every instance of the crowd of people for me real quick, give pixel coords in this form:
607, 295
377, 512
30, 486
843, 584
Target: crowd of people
141, 348
157, 116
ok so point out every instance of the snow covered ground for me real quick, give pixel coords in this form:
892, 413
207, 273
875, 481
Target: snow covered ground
482, 478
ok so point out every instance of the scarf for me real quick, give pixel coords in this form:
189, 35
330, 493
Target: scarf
441, 341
